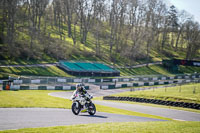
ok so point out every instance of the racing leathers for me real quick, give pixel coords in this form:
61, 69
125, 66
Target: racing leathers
81, 92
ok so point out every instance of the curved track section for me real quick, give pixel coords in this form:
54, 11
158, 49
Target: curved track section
164, 112
16, 118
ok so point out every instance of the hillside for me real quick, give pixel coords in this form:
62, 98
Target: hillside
56, 72
121, 33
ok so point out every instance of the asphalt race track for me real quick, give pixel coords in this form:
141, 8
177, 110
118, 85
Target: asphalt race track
164, 112
16, 118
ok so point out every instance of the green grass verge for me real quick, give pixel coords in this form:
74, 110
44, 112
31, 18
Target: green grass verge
27, 62
126, 127
40, 98
157, 70
159, 106
34, 98
106, 109
150, 70
33, 71
189, 69
184, 93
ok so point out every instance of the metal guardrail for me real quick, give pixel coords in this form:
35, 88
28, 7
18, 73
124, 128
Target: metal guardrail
139, 84
140, 65
55, 80
30, 65
43, 87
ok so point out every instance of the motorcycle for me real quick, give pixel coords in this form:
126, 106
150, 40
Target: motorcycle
81, 103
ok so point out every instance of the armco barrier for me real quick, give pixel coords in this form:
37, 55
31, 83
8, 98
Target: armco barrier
48, 80
23, 87
42, 80
154, 101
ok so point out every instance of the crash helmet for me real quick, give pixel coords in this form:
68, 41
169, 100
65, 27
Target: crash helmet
78, 87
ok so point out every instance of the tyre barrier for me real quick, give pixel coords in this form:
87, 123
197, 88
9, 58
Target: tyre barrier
24, 87
155, 101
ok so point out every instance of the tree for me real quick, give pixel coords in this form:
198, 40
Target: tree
173, 23
192, 35
85, 9
58, 16
136, 16
99, 8
75, 20
11, 8
68, 7
183, 17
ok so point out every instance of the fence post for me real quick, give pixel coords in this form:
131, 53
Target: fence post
180, 88
194, 90
165, 89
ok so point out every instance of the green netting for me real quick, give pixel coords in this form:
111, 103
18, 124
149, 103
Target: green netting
85, 66
72, 66
89, 66
104, 67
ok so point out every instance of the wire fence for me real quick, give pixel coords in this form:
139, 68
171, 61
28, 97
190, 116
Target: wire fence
193, 88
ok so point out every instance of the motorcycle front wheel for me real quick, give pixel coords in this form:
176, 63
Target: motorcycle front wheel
76, 110
92, 109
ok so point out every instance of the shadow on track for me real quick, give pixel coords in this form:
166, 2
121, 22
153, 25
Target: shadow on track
95, 116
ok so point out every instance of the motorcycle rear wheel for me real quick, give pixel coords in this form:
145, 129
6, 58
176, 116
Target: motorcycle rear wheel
76, 110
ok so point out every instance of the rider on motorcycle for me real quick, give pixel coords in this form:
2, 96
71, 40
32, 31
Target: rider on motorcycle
82, 101
81, 91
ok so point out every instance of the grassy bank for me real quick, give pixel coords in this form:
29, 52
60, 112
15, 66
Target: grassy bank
33, 71
27, 62
54, 71
157, 70
150, 70
127, 127
185, 93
